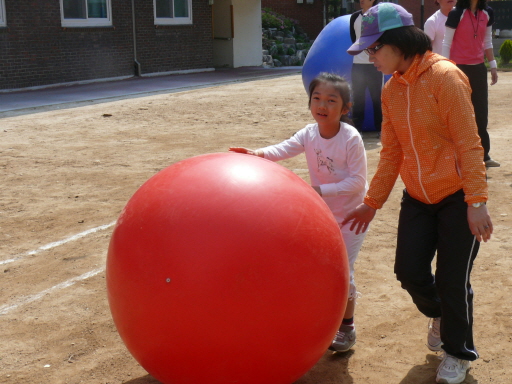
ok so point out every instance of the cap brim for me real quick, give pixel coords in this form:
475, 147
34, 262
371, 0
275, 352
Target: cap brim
362, 43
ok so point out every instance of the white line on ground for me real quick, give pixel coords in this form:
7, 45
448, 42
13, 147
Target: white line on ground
57, 243
6, 308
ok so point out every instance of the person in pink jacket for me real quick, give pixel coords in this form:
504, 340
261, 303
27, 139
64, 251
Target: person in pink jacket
429, 138
467, 40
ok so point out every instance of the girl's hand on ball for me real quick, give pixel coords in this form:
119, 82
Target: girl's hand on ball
247, 151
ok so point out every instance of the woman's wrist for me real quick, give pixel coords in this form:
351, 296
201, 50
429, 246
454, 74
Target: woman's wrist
493, 64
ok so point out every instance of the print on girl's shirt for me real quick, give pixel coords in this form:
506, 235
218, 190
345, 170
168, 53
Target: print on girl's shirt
322, 161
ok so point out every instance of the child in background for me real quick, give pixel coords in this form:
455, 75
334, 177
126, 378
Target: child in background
337, 167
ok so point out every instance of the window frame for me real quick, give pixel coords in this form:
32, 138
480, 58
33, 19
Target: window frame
3, 21
87, 22
173, 20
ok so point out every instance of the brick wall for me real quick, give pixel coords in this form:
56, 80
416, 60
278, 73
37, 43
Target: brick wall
37, 51
171, 48
414, 7
310, 16
502, 14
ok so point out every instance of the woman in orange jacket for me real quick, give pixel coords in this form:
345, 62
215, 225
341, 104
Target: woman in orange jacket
430, 138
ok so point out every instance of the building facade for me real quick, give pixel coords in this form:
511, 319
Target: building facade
46, 42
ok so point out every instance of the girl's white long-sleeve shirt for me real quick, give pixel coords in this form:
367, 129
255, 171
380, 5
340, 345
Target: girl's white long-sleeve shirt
336, 165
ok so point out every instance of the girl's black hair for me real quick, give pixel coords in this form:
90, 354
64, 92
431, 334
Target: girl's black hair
467, 4
339, 84
409, 40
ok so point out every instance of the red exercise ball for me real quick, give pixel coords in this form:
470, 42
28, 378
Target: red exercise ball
227, 268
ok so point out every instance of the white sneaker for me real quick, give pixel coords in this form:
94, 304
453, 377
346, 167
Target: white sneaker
434, 342
452, 370
344, 340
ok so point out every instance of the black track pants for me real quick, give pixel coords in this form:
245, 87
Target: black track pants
423, 230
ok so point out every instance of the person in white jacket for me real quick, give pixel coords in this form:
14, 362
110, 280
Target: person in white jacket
336, 161
435, 24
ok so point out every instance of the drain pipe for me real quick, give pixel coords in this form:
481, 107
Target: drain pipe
137, 67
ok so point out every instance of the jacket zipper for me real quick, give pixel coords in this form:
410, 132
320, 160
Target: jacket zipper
412, 141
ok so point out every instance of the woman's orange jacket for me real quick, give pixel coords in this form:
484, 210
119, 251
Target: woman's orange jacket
429, 135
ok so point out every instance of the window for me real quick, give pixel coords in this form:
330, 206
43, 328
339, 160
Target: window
85, 13
2, 14
173, 12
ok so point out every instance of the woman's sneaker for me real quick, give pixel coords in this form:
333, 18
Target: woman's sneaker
345, 339
452, 370
434, 342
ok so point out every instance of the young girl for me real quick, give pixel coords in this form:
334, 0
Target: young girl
337, 167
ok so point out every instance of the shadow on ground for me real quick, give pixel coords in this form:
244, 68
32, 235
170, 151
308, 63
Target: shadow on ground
428, 372
331, 369
148, 379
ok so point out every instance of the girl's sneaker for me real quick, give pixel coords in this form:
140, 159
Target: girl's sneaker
345, 339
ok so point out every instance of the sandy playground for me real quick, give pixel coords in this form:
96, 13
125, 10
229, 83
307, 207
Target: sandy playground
68, 172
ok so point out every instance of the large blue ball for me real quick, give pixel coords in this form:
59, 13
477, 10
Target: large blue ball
329, 54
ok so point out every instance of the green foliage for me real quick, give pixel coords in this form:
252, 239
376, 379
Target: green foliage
506, 51
301, 39
286, 54
271, 19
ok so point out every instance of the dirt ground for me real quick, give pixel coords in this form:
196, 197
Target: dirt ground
68, 172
